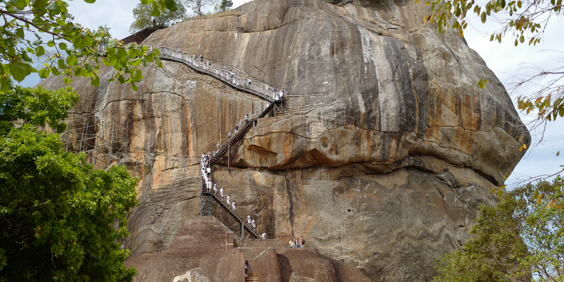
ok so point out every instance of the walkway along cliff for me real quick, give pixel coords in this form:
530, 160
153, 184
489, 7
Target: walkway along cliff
383, 152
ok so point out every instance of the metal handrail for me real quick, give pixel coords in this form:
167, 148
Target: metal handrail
232, 76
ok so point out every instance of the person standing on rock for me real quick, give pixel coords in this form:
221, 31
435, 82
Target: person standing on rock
246, 268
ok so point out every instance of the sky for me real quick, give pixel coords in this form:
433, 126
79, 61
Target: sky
504, 59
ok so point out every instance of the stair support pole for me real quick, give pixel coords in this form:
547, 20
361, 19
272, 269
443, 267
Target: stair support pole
242, 230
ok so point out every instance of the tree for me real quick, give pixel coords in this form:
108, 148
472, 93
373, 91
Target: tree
59, 218
225, 5
515, 240
144, 19
51, 19
198, 5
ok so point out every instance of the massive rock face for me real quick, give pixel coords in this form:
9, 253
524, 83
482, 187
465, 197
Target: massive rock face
380, 160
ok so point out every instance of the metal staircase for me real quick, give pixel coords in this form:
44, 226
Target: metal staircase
276, 105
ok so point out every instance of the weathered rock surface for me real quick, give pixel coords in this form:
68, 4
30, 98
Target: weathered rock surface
383, 154
210, 250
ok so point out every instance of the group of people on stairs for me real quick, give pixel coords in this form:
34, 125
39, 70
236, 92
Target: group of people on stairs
230, 76
271, 94
206, 174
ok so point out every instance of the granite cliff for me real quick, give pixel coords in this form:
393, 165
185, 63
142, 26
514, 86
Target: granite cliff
380, 160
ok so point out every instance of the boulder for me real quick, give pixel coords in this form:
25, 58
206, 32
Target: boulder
384, 151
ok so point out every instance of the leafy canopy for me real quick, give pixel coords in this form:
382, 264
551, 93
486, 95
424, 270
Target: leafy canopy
27, 22
515, 240
59, 218
144, 17
198, 5
225, 5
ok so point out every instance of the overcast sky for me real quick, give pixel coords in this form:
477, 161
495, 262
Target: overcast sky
504, 59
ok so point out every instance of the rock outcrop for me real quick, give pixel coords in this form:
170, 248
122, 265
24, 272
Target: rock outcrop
380, 160
208, 245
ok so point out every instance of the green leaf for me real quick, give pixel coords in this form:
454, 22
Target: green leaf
90, 1
156, 12
20, 70
39, 51
95, 81
136, 75
61, 64
63, 46
44, 73
39, 4
55, 71
136, 62
72, 60
20, 32
171, 5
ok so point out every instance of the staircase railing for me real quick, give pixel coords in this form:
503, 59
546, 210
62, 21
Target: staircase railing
239, 80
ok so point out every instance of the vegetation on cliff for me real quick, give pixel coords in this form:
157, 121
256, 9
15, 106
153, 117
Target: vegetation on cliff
31, 27
59, 218
515, 240
145, 18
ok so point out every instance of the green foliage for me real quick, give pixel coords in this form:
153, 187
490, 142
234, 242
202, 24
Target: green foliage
51, 18
225, 5
523, 19
59, 218
144, 18
517, 239
198, 5
38, 107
